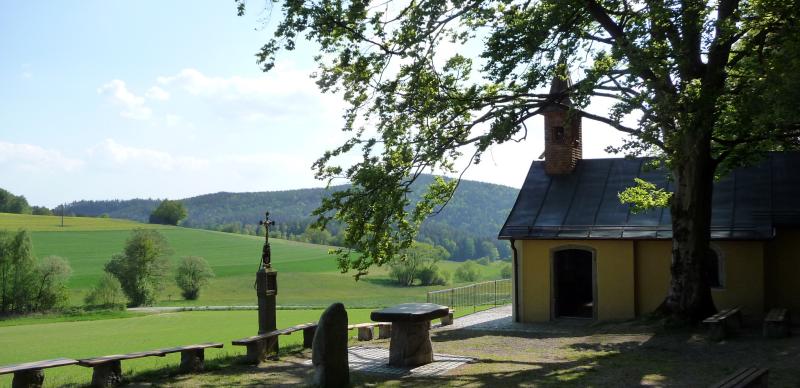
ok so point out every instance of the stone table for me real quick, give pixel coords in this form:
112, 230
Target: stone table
410, 344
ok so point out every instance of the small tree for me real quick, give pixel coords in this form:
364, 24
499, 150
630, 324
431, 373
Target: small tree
143, 266
505, 271
468, 272
168, 213
107, 293
52, 274
420, 257
193, 273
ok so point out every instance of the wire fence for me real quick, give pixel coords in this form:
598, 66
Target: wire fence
496, 292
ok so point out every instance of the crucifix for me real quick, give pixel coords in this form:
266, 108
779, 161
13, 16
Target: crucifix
266, 253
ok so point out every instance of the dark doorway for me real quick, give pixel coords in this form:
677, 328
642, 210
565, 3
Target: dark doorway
573, 278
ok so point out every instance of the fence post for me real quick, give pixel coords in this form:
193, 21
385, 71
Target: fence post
428, 297
495, 293
473, 298
452, 305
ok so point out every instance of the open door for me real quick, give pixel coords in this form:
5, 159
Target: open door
573, 284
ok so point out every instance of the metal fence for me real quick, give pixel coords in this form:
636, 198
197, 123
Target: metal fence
494, 292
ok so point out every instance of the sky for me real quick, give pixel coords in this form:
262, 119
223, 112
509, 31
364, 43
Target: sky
164, 99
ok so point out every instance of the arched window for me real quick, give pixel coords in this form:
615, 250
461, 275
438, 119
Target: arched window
716, 269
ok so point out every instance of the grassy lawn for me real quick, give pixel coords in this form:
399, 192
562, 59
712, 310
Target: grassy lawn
82, 339
556, 355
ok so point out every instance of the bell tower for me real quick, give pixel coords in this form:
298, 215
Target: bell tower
562, 133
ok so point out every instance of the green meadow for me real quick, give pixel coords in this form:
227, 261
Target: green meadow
83, 339
307, 274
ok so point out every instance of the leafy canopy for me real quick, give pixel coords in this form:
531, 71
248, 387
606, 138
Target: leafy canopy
687, 80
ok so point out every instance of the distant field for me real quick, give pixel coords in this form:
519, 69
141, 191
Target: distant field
114, 336
307, 273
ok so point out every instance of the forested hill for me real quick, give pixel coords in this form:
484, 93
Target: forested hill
471, 219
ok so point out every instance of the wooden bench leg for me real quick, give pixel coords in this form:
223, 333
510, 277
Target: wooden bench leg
107, 374
365, 333
33, 378
308, 336
718, 331
384, 331
192, 360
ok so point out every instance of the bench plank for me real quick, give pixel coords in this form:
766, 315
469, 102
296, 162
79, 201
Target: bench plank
56, 362
92, 362
745, 377
191, 347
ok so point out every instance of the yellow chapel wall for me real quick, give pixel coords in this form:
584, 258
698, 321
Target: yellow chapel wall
743, 275
614, 264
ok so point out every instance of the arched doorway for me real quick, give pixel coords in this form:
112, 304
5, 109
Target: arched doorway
573, 284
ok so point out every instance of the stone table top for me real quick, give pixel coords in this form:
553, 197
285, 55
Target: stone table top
410, 312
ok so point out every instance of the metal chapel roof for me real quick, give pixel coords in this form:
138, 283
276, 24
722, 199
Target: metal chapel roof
747, 204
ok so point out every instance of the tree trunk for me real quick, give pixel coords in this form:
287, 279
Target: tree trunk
689, 299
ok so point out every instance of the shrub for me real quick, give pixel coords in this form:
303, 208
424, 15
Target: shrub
168, 213
483, 261
505, 271
192, 274
107, 293
468, 272
143, 266
433, 276
50, 288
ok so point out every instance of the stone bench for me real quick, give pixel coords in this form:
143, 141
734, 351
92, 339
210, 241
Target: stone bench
31, 374
777, 323
366, 331
723, 322
447, 320
258, 346
745, 378
192, 356
107, 370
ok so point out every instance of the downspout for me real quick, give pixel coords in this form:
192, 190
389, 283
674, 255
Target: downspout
515, 260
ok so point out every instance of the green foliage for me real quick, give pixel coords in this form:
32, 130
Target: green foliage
644, 196
418, 263
142, 267
25, 285
469, 271
192, 274
506, 271
50, 289
10, 203
168, 213
41, 211
107, 293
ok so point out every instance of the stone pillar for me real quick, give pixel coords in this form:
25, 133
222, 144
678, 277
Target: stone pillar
107, 374
28, 379
192, 360
410, 344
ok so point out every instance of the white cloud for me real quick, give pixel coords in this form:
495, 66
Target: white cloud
27, 157
133, 105
111, 152
156, 93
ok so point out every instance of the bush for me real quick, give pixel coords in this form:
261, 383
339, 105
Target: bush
468, 272
107, 293
193, 273
143, 266
168, 213
483, 261
433, 276
52, 274
506, 271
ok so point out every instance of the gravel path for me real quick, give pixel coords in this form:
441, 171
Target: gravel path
499, 319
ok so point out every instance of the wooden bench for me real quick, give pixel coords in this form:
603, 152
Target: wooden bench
192, 356
31, 374
259, 346
777, 323
745, 378
723, 322
107, 370
365, 330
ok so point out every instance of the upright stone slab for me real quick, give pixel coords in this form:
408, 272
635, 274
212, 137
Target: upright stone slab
329, 350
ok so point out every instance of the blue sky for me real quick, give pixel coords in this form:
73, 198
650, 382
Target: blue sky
163, 99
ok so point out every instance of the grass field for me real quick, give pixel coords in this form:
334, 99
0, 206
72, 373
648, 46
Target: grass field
85, 339
307, 273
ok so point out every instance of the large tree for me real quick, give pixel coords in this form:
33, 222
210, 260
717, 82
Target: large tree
703, 85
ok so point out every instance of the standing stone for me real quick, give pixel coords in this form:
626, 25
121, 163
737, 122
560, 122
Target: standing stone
33, 378
329, 350
410, 345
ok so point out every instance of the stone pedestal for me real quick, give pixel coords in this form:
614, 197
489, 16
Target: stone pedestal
384, 331
28, 379
108, 374
410, 344
192, 360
